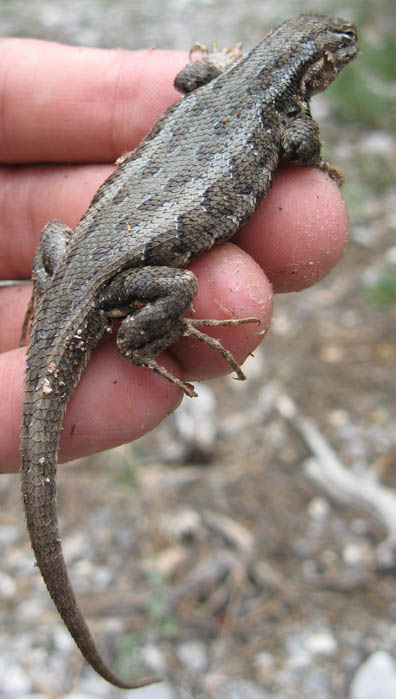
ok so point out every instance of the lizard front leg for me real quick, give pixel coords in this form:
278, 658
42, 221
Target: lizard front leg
152, 302
301, 145
54, 239
213, 63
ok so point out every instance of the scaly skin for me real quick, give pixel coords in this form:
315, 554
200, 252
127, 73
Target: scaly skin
196, 178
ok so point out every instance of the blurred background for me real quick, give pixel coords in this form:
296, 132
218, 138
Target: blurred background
246, 548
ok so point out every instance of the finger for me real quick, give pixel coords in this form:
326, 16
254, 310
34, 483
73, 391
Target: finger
295, 248
297, 235
136, 401
300, 231
32, 196
13, 304
136, 398
67, 103
258, 293
230, 285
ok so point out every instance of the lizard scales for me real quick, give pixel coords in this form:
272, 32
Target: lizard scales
199, 174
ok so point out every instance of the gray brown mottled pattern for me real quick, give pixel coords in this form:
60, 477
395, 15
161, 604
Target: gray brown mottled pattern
200, 173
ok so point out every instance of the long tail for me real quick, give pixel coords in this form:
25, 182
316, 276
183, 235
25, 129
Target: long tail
39, 445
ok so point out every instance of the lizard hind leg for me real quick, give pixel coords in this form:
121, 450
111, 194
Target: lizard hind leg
186, 327
153, 301
54, 239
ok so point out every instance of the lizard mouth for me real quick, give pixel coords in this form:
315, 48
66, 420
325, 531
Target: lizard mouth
347, 47
342, 48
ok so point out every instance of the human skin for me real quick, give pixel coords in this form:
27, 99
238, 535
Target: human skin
84, 107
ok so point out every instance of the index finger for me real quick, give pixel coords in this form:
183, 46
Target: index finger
73, 104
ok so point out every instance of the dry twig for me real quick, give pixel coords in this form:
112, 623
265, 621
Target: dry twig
343, 484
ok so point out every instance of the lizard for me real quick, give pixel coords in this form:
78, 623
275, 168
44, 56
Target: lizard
198, 175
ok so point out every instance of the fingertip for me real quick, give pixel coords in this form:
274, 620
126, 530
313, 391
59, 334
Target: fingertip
104, 100
12, 367
230, 285
300, 231
115, 402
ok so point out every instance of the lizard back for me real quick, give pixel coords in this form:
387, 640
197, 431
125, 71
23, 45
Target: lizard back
198, 175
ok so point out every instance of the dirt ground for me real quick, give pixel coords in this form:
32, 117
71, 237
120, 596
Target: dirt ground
231, 570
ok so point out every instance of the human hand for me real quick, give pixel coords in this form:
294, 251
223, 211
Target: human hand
85, 107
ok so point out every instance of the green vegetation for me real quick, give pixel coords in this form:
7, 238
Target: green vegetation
163, 626
382, 292
365, 93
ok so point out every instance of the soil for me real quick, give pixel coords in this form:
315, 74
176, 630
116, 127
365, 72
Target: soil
231, 571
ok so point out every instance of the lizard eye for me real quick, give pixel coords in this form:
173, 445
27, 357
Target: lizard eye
349, 35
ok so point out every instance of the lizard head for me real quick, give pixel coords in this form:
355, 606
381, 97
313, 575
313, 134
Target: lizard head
336, 45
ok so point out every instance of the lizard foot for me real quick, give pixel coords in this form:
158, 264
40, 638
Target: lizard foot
187, 388
332, 172
191, 330
187, 327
